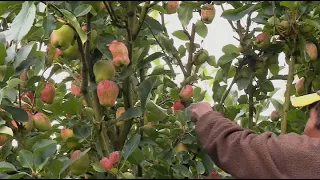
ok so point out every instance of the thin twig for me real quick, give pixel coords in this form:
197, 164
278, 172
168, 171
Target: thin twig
163, 23
230, 22
153, 3
170, 66
141, 20
191, 47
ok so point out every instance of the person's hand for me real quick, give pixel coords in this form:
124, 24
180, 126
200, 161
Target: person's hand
198, 109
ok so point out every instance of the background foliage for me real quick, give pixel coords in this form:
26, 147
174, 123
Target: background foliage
151, 136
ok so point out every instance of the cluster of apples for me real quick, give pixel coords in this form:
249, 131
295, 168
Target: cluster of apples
207, 11
185, 94
39, 120
107, 163
62, 43
105, 70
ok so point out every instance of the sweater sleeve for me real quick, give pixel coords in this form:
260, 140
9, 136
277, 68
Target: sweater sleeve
245, 154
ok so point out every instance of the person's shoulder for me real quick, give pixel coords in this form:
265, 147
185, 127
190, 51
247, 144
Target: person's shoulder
296, 140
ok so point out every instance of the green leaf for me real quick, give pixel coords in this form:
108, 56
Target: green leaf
18, 175
150, 58
5, 166
198, 94
23, 22
5, 150
212, 61
153, 24
27, 63
312, 23
151, 132
41, 144
48, 24
201, 29
102, 41
207, 162
40, 59
243, 83
145, 89
230, 49
82, 131
43, 155
55, 166
71, 105
33, 80
289, 4
184, 13
69, 163
11, 53
130, 113
218, 91
243, 99
54, 69
165, 42
274, 69
180, 35
97, 167
131, 145
225, 59
136, 157
155, 112
26, 159
267, 86
237, 14
73, 20
158, 8
5, 5
82, 10
200, 168
6, 130
23, 53
276, 104
3, 53
181, 169
12, 83
2, 122
128, 175
18, 114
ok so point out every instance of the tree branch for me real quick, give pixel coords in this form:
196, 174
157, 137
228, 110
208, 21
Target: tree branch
191, 47
230, 22
250, 93
84, 74
168, 63
232, 83
124, 131
287, 94
113, 16
279, 77
144, 12
163, 23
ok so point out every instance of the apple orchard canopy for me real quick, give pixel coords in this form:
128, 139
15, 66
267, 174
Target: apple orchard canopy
305, 100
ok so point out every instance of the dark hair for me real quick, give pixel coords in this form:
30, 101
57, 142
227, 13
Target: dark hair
317, 106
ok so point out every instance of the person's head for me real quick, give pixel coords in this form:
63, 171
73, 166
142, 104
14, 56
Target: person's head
312, 128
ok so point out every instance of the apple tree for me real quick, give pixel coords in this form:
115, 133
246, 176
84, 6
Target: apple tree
119, 112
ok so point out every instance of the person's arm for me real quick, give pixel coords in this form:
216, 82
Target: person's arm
244, 154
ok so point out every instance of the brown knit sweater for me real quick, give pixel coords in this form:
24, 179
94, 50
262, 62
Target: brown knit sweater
244, 154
